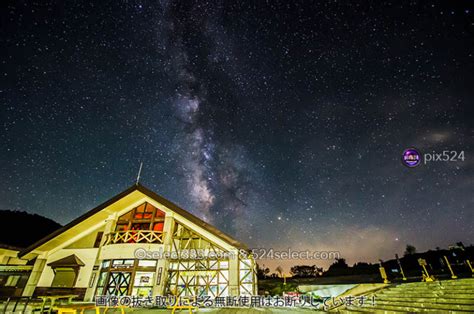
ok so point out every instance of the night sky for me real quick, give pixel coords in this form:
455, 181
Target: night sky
281, 124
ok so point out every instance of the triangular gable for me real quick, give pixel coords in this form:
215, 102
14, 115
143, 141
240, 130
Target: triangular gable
102, 212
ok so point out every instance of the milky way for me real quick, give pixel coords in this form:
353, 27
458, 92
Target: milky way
283, 124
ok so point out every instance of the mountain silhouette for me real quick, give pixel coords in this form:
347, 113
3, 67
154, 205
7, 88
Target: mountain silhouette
20, 229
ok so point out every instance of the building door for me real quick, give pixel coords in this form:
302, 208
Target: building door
119, 283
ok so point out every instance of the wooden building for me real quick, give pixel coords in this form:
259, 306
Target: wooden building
136, 244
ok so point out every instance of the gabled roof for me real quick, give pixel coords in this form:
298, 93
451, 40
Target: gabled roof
68, 261
140, 188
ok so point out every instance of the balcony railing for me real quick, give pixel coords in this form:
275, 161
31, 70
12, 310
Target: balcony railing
134, 236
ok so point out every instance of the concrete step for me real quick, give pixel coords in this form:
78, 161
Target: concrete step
454, 282
432, 292
429, 288
397, 310
442, 305
421, 306
465, 291
385, 309
440, 282
449, 296
446, 297
457, 281
459, 285
402, 287
425, 300
456, 295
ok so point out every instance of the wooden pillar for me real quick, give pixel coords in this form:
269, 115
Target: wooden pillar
234, 288
92, 284
34, 277
162, 266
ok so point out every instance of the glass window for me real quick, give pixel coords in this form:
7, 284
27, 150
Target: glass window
128, 262
245, 275
98, 238
214, 279
148, 214
213, 264
141, 226
158, 226
200, 265
211, 275
146, 263
223, 290
125, 217
159, 213
183, 265
102, 277
191, 279
120, 263
201, 281
64, 277
247, 289
223, 276
12, 280
143, 217
245, 264
142, 292
213, 290
123, 279
117, 262
139, 211
202, 291
121, 227
143, 279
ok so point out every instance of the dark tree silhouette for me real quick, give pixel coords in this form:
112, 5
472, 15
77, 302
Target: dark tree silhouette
338, 268
409, 250
305, 271
262, 272
21, 229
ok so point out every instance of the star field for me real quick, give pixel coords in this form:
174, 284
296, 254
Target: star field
282, 124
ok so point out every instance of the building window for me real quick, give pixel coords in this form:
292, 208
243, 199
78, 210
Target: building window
98, 238
66, 271
143, 284
143, 224
200, 275
199, 278
126, 277
247, 277
64, 277
12, 281
143, 217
